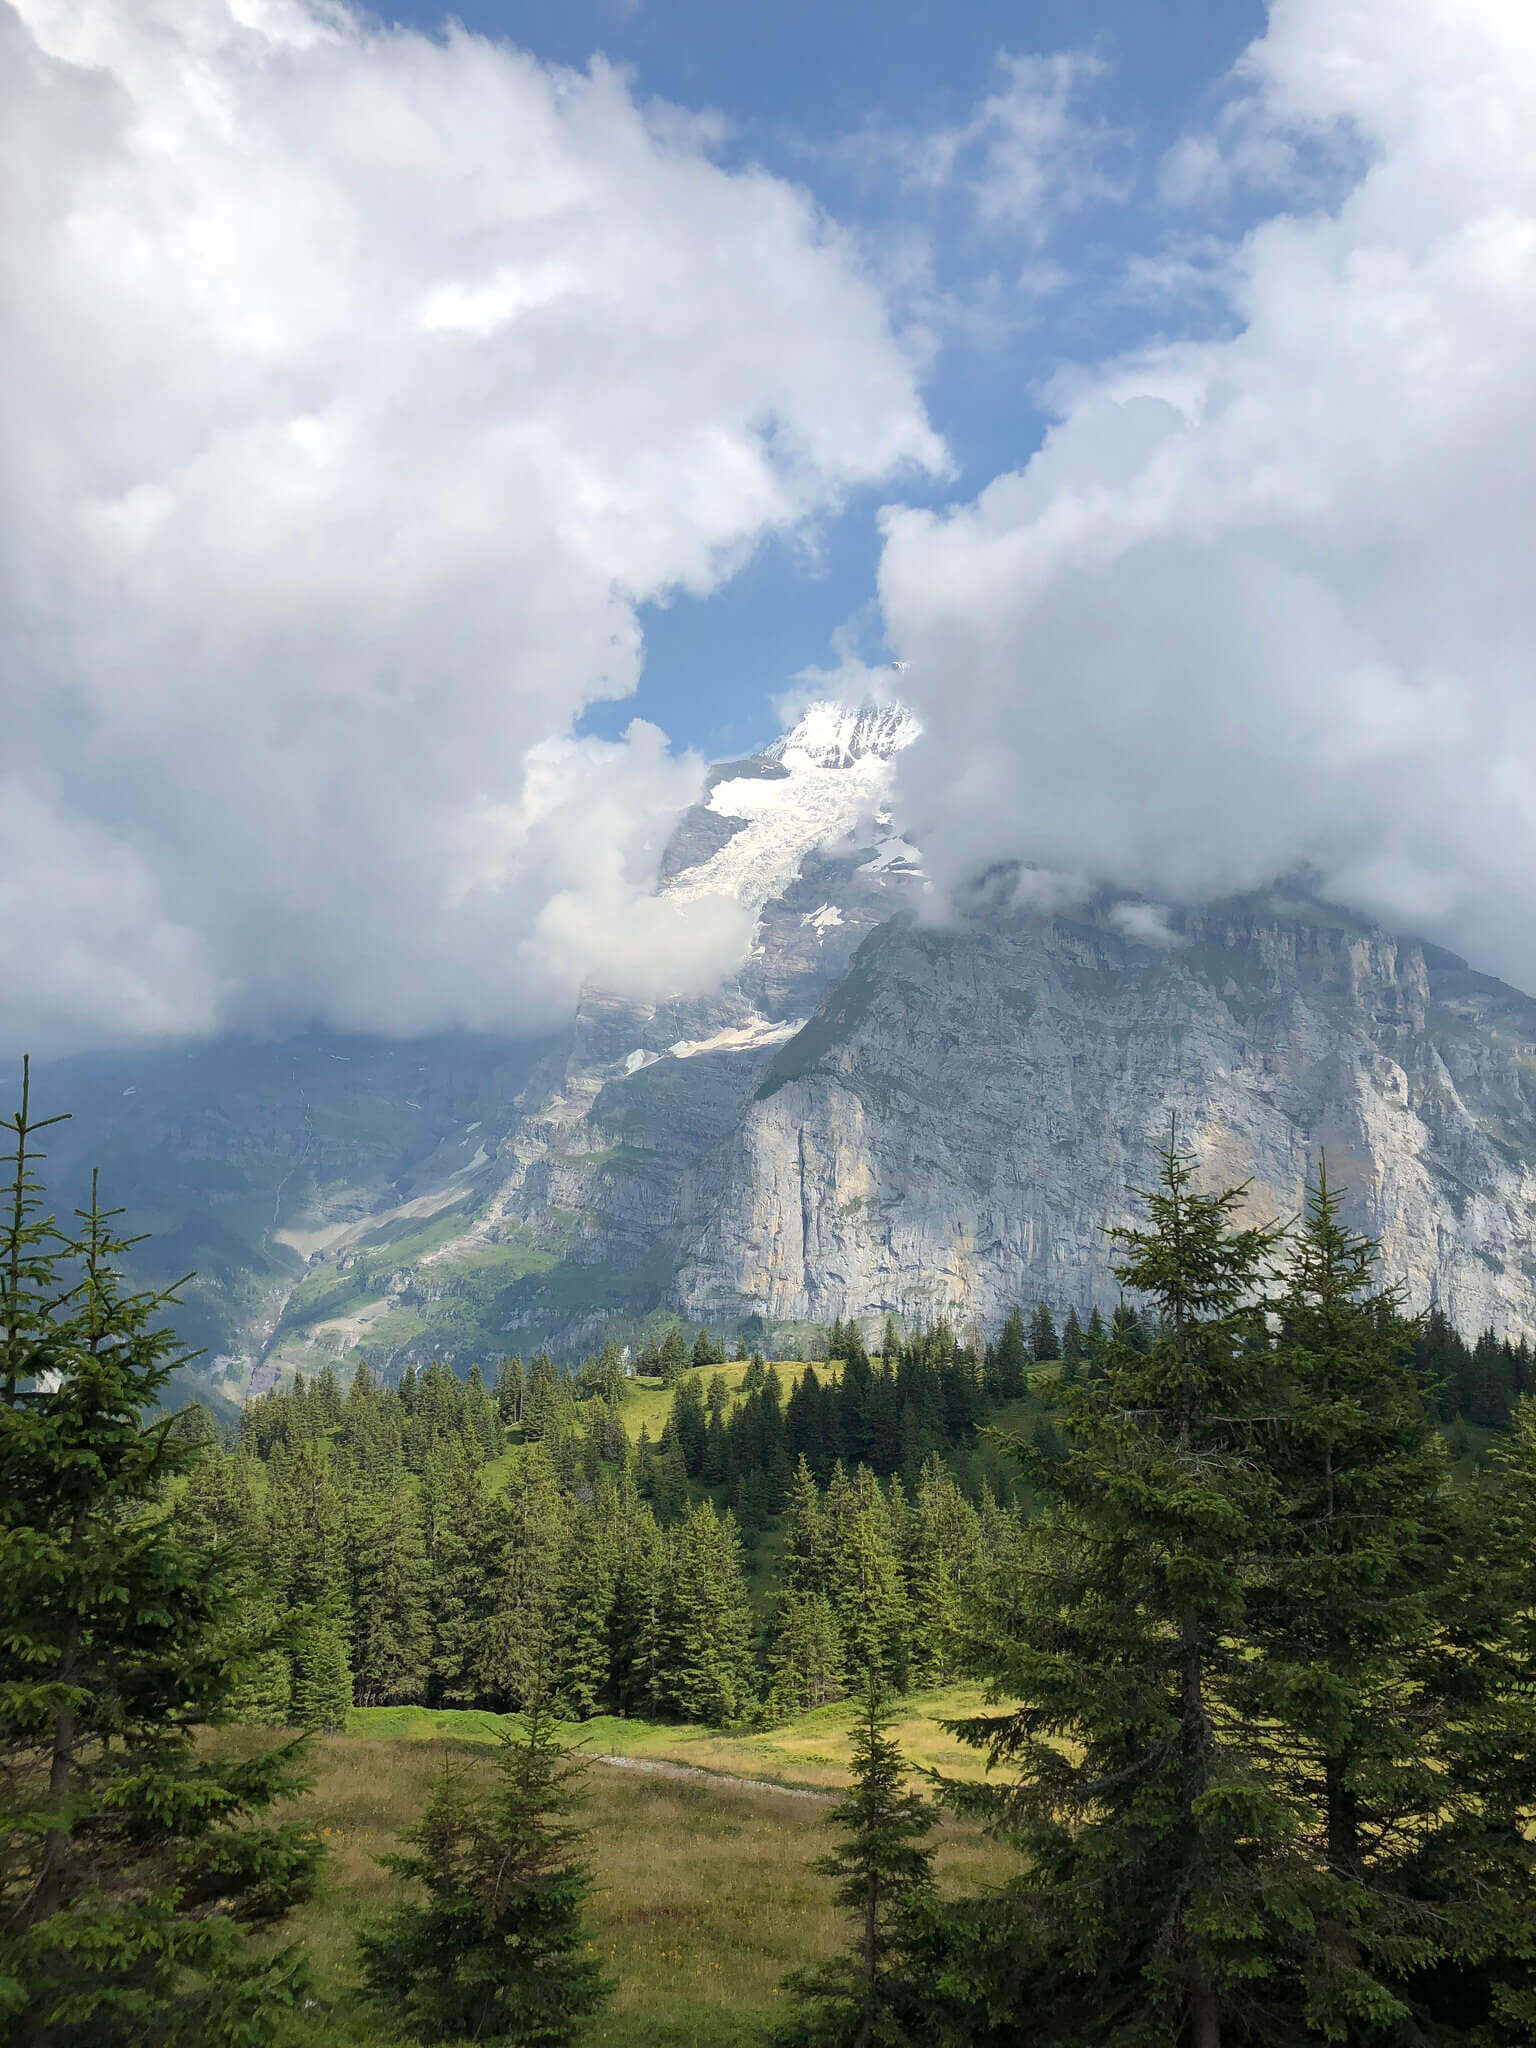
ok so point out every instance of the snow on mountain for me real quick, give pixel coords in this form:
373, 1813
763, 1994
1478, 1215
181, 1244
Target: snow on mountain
894, 856
835, 775
832, 735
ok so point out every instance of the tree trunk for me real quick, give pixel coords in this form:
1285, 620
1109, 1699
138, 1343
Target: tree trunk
865, 2032
49, 1893
1195, 1742
1204, 2015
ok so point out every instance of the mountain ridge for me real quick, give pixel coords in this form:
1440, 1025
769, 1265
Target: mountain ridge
875, 1113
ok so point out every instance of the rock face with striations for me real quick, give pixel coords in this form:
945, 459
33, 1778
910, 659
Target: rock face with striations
957, 1128
873, 1114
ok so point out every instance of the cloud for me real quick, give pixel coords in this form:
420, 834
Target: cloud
1266, 599
359, 388
1146, 923
1026, 156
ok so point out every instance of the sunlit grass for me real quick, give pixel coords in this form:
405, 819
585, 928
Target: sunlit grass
812, 1750
706, 1896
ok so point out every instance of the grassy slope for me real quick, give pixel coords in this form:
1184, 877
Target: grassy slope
707, 1898
706, 1893
812, 1750
646, 1403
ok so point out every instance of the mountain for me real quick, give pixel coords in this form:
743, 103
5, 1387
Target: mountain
876, 1113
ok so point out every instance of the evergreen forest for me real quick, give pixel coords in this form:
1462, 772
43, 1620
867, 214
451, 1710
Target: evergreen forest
1216, 1603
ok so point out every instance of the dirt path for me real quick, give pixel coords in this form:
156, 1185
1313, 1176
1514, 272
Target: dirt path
662, 1769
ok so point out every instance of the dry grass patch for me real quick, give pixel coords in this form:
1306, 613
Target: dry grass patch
706, 1898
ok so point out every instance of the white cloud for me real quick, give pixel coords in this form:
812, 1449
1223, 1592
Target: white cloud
360, 385
1028, 154
1268, 599
1146, 923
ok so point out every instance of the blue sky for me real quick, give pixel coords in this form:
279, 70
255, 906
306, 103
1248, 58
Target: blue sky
1169, 422
794, 83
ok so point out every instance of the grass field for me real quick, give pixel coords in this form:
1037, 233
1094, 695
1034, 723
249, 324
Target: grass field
706, 1896
646, 1403
811, 1750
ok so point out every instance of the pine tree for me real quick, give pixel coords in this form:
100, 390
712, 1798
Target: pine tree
805, 1535
805, 1660
391, 1625
1158, 1875
1072, 1340
1011, 1358
884, 1872
863, 1576
672, 1359
132, 1860
1043, 1342
704, 1666
1344, 1622
306, 1558
497, 1951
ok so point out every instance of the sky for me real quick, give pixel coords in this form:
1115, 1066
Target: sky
426, 444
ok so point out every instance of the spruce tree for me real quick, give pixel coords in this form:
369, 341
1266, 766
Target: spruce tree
672, 1359
863, 1575
509, 1392
497, 1951
805, 1535
638, 1552
1158, 1876
218, 1514
704, 1669
1475, 1873
306, 1555
805, 1659
586, 1601
1011, 1358
132, 1859
884, 1872
391, 1644
1072, 1340
1343, 1629
940, 1558
521, 1564
1044, 1344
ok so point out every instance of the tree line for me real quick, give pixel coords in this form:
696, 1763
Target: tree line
1264, 1678
1265, 1732
396, 1584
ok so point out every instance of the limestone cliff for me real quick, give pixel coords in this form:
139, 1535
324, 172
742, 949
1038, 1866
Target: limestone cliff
875, 1113
957, 1127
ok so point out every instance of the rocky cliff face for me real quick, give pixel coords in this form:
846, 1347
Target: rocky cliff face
958, 1126
878, 1116
873, 1115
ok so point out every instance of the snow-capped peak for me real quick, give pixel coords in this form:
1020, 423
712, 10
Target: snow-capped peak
837, 776
829, 735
